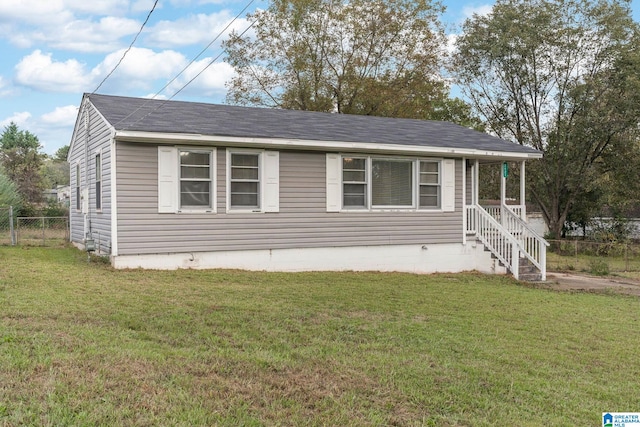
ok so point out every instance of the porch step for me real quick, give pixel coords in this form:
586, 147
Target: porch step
528, 271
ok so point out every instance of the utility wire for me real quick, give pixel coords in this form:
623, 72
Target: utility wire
204, 50
179, 90
129, 48
188, 65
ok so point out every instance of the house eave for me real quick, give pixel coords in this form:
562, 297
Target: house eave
342, 146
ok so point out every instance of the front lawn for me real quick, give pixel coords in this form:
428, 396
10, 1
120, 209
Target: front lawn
83, 344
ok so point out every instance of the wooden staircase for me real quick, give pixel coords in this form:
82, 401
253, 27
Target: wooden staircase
509, 239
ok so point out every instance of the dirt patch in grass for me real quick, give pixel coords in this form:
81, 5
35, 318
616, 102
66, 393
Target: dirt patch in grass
577, 282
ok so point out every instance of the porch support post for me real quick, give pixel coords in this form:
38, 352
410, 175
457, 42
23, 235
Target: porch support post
523, 200
465, 222
476, 183
503, 194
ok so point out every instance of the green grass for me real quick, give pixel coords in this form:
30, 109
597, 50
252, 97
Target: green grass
83, 344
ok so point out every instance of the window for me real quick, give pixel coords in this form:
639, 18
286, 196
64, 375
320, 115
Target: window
253, 181
367, 182
195, 179
245, 180
186, 179
98, 182
78, 190
429, 184
354, 182
392, 183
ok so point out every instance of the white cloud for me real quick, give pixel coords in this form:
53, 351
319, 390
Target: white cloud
38, 71
5, 89
20, 119
66, 24
144, 5
211, 81
57, 11
451, 43
140, 68
482, 10
197, 29
89, 36
61, 116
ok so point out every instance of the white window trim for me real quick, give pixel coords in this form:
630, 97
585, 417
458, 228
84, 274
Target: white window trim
212, 179
96, 154
268, 182
367, 184
446, 201
169, 180
439, 185
369, 171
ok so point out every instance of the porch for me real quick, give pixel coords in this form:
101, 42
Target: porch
503, 228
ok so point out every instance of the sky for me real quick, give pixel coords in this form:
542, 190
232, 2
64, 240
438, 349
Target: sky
53, 51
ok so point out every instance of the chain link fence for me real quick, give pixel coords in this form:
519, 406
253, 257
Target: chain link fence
7, 236
598, 258
42, 231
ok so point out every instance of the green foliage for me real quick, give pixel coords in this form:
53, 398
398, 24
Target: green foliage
598, 267
561, 76
9, 195
54, 172
62, 153
54, 208
21, 159
371, 57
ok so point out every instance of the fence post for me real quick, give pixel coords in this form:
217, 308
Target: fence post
11, 231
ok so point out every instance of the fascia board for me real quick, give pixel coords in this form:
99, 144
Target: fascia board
278, 143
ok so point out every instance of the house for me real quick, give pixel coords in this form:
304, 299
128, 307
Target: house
169, 184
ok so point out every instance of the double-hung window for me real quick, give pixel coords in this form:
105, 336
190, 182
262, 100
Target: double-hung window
244, 180
78, 189
253, 181
378, 183
354, 182
195, 180
429, 184
98, 182
186, 179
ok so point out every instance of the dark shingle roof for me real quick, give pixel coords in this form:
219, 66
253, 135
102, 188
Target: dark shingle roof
151, 115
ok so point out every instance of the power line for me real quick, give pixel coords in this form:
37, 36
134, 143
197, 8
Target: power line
188, 65
129, 48
204, 50
179, 90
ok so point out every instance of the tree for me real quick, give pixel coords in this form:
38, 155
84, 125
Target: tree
560, 76
372, 57
54, 172
21, 159
9, 195
61, 154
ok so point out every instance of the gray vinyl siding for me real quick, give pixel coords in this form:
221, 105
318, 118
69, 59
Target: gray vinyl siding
301, 223
99, 140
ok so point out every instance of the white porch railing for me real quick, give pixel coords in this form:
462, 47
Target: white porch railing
496, 211
489, 231
508, 237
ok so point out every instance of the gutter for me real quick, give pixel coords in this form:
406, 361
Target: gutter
277, 143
